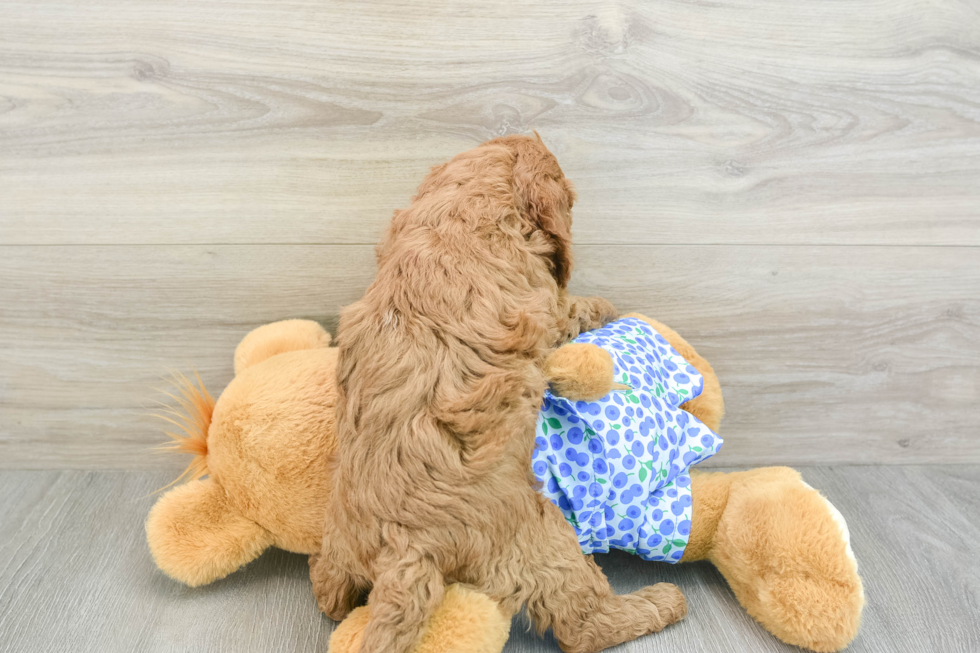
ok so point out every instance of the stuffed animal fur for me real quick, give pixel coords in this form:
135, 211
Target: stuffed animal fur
266, 445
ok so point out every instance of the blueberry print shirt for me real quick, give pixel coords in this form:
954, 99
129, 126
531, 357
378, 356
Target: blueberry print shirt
618, 468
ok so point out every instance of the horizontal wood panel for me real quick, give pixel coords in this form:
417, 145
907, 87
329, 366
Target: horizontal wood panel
826, 354
754, 121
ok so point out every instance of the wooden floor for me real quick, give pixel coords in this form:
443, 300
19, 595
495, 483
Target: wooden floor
75, 574
793, 185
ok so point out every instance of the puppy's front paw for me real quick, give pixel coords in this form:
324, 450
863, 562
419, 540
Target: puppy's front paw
669, 600
586, 314
603, 312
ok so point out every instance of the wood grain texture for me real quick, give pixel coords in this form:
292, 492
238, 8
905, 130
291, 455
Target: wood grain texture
751, 121
825, 354
794, 186
75, 574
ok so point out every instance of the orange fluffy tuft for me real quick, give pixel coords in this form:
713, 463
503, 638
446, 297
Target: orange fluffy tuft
193, 419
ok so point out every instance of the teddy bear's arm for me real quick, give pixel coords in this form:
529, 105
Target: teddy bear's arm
197, 537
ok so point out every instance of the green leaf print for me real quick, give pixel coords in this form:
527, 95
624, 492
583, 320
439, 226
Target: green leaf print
667, 548
544, 427
643, 474
678, 542
553, 423
601, 480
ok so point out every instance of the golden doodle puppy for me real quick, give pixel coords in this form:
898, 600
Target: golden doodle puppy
439, 384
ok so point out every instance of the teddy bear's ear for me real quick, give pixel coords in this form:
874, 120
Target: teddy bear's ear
196, 536
277, 338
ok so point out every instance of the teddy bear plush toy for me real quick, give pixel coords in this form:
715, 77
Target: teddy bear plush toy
265, 448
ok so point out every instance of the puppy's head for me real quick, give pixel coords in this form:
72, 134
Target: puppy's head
544, 196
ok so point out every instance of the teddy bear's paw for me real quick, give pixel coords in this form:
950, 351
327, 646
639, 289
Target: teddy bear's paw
818, 614
196, 536
838, 518
785, 551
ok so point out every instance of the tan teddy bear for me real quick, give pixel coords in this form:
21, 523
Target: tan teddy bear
266, 448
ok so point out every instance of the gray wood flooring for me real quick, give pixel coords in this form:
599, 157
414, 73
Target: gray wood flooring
75, 574
793, 185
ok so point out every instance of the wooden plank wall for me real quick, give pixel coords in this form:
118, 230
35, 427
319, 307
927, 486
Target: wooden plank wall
794, 186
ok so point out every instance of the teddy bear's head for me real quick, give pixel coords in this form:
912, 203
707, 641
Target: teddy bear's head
264, 446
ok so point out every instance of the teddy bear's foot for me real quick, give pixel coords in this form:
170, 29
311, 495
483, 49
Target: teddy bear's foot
465, 621
785, 551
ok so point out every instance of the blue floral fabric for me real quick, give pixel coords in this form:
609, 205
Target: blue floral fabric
618, 467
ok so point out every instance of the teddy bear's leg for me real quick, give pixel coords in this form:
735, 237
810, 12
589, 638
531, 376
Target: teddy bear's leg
466, 620
277, 338
785, 552
709, 406
196, 537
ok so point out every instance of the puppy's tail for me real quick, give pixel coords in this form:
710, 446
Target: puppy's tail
193, 418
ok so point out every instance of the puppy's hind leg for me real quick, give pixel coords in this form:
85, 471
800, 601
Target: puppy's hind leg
337, 592
574, 598
406, 592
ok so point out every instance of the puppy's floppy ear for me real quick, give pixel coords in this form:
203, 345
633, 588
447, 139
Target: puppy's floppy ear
547, 198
